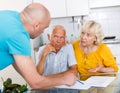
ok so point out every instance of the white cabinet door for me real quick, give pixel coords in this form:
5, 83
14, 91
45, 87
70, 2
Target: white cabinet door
56, 7
77, 7
17, 5
103, 3
64, 8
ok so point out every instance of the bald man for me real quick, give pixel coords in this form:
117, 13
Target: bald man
16, 29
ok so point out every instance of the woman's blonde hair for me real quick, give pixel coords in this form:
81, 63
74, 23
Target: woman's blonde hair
92, 26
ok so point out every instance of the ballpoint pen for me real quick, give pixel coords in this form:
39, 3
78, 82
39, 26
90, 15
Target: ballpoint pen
80, 82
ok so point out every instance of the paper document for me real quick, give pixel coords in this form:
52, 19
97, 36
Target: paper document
93, 81
99, 81
77, 85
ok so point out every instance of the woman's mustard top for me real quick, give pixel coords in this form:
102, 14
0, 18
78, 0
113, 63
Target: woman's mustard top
102, 55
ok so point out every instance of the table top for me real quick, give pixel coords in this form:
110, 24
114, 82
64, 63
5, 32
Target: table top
111, 88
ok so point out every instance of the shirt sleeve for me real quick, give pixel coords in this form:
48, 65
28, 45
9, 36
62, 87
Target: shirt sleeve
39, 53
109, 60
19, 44
71, 56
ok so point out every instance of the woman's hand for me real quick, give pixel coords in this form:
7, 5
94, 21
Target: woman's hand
100, 68
97, 69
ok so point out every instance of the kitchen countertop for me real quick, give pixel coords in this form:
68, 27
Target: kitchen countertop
112, 41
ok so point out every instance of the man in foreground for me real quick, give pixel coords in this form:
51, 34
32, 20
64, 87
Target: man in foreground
16, 29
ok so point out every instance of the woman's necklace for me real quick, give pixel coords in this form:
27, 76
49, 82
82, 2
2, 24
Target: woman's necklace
87, 50
85, 58
85, 54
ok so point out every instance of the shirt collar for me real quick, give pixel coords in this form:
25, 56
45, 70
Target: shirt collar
61, 50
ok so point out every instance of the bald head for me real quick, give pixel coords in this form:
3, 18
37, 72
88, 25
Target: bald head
36, 11
35, 18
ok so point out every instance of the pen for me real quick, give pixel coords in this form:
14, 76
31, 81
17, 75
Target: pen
80, 82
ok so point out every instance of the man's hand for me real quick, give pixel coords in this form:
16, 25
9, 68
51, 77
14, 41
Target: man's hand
69, 79
49, 48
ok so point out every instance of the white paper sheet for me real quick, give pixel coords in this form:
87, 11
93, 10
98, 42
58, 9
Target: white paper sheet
77, 85
99, 81
93, 81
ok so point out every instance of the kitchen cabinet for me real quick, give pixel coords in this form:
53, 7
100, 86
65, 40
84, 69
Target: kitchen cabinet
17, 5
77, 7
56, 7
103, 3
65, 8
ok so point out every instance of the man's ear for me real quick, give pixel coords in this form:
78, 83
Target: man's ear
66, 40
36, 25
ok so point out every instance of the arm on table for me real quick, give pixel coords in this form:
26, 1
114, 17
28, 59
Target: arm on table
26, 67
40, 66
102, 69
72, 69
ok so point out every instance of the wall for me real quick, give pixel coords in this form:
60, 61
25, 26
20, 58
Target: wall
17, 5
69, 24
109, 18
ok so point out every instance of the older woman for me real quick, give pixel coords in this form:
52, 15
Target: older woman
91, 54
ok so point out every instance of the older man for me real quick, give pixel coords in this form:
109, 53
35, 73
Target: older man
57, 56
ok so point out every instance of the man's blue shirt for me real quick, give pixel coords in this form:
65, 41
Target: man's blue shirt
13, 38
